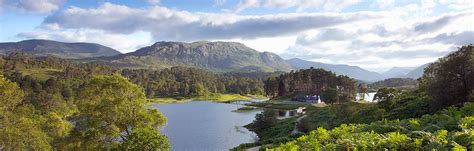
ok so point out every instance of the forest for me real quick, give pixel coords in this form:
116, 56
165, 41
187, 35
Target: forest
185, 82
331, 88
399, 83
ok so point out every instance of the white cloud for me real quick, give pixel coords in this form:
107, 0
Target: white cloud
244, 4
438, 23
169, 24
153, 2
326, 5
458, 4
31, 6
372, 45
407, 35
384, 3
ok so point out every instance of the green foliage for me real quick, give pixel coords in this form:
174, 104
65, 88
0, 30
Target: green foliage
387, 97
264, 120
330, 96
399, 83
11, 95
110, 107
189, 82
23, 134
332, 88
17, 129
145, 139
72, 109
407, 134
450, 80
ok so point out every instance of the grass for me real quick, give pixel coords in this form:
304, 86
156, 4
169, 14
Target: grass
277, 105
41, 73
257, 96
215, 97
283, 103
244, 109
223, 97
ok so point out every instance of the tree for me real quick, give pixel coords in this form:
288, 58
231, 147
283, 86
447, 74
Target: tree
450, 80
311, 82
11, 95
110, 107
146, 139
265, 119
387, 97
17, 130
198, 90
362, 90
271, 86
330, 96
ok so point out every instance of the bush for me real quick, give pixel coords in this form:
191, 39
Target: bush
452, 128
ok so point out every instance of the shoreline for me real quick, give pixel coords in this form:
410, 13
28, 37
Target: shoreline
218, 98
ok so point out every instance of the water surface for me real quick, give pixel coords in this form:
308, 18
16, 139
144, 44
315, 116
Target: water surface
203, 125
368, 97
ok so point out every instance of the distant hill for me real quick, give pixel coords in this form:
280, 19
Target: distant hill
38, 47
214, 56
397, 72
400, 83
417, 72
351, 71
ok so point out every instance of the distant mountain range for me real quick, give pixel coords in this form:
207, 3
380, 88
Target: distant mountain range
360, 73
351, 71
417, 72
405, 72
59, 49
397, 72
214, 56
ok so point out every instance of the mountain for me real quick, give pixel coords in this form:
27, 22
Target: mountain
351, 71
397, 72
417, 72
59, 49
214, 56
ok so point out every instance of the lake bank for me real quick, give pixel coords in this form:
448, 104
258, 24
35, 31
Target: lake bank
216, 97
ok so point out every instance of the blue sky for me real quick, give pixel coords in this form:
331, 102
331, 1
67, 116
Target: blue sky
375, 34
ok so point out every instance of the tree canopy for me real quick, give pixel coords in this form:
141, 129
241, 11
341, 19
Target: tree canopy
450, 80
312, 81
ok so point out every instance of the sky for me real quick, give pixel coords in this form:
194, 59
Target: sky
373, 34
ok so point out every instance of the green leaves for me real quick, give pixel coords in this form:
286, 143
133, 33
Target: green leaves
110, 107
407, 134
145, 139
11, 95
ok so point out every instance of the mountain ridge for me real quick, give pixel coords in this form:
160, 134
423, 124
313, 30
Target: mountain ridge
417, 72
214, 56
397, 72
41, 47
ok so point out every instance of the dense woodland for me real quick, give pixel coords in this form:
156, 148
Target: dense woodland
436, 114
186, 82
326, 84
399, 83
105, 112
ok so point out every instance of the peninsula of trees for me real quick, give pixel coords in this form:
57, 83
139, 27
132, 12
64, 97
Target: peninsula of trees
319, 82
